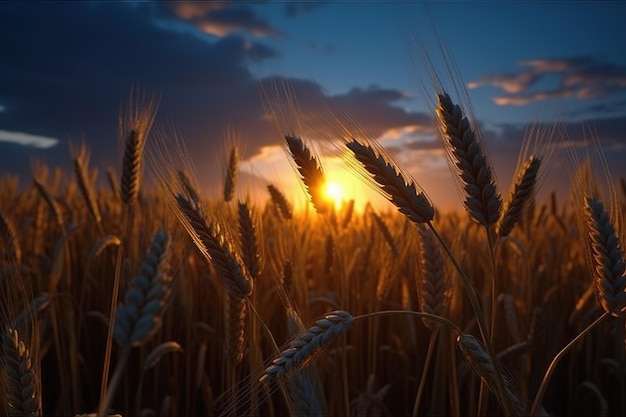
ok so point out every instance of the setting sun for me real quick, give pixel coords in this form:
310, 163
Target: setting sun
334, 193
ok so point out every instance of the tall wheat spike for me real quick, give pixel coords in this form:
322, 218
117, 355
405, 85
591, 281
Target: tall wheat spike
608, 257
136, 128
522, 192
249, 238
404, 195
231, 174
482, 200
216, 247
81, 164
280, 201
311, 173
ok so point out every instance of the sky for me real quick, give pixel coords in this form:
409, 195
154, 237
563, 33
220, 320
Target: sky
249, 73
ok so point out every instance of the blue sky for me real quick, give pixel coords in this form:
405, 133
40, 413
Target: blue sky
69, 67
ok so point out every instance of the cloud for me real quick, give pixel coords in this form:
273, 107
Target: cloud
26, 139
72, 66
221, 18
580, 77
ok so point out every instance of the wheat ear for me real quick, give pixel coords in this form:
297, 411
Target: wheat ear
22, 380
478, 359
308, 343
311, 173
236, 327
216, 247
482, 201
384, 229
434, 285
280, 201
231, 174
81, 163
523, 190
402, 194
608, 256
141, 314
136, 126
248, 236
7, 231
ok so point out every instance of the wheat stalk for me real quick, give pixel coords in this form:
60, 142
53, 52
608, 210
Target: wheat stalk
522, 191
395, 188
434, 284
81, 163
136, 128
23, 394
608, 256
311, 173
231, 174
280, 201
478, 359
248, 236
308, 343
482, 201
7, 231
236, 327
141, 314
384, 229
216, 247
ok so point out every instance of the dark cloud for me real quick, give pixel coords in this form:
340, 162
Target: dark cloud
220, 18
602, 109
579, 77
69, 67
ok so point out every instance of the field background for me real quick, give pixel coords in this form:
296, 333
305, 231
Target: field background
361, 262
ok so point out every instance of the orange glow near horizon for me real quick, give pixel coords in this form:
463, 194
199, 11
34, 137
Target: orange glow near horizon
334, 193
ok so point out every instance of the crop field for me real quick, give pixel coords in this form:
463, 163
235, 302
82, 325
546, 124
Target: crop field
119, 299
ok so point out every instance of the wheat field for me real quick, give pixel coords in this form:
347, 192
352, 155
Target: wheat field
120, 299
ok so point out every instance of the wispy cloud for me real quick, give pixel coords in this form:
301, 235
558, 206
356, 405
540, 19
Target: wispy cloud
221, 18
26, 139
580, 77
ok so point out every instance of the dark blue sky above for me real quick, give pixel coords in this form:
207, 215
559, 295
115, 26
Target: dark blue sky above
68, 67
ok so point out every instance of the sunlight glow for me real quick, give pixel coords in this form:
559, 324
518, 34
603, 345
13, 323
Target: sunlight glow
334, 193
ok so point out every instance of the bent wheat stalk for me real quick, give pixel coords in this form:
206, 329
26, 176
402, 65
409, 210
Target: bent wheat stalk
308, 343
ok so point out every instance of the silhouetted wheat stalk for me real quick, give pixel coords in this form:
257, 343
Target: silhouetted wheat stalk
311, 173
522, 192
23, 394
404, 195
141, 314
610, 282
478, 359
280, 201
217, 248
249, 238
482, 201
231, 174
81, 164
8, 233
308, 343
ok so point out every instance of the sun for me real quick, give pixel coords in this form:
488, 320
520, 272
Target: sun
334, 193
